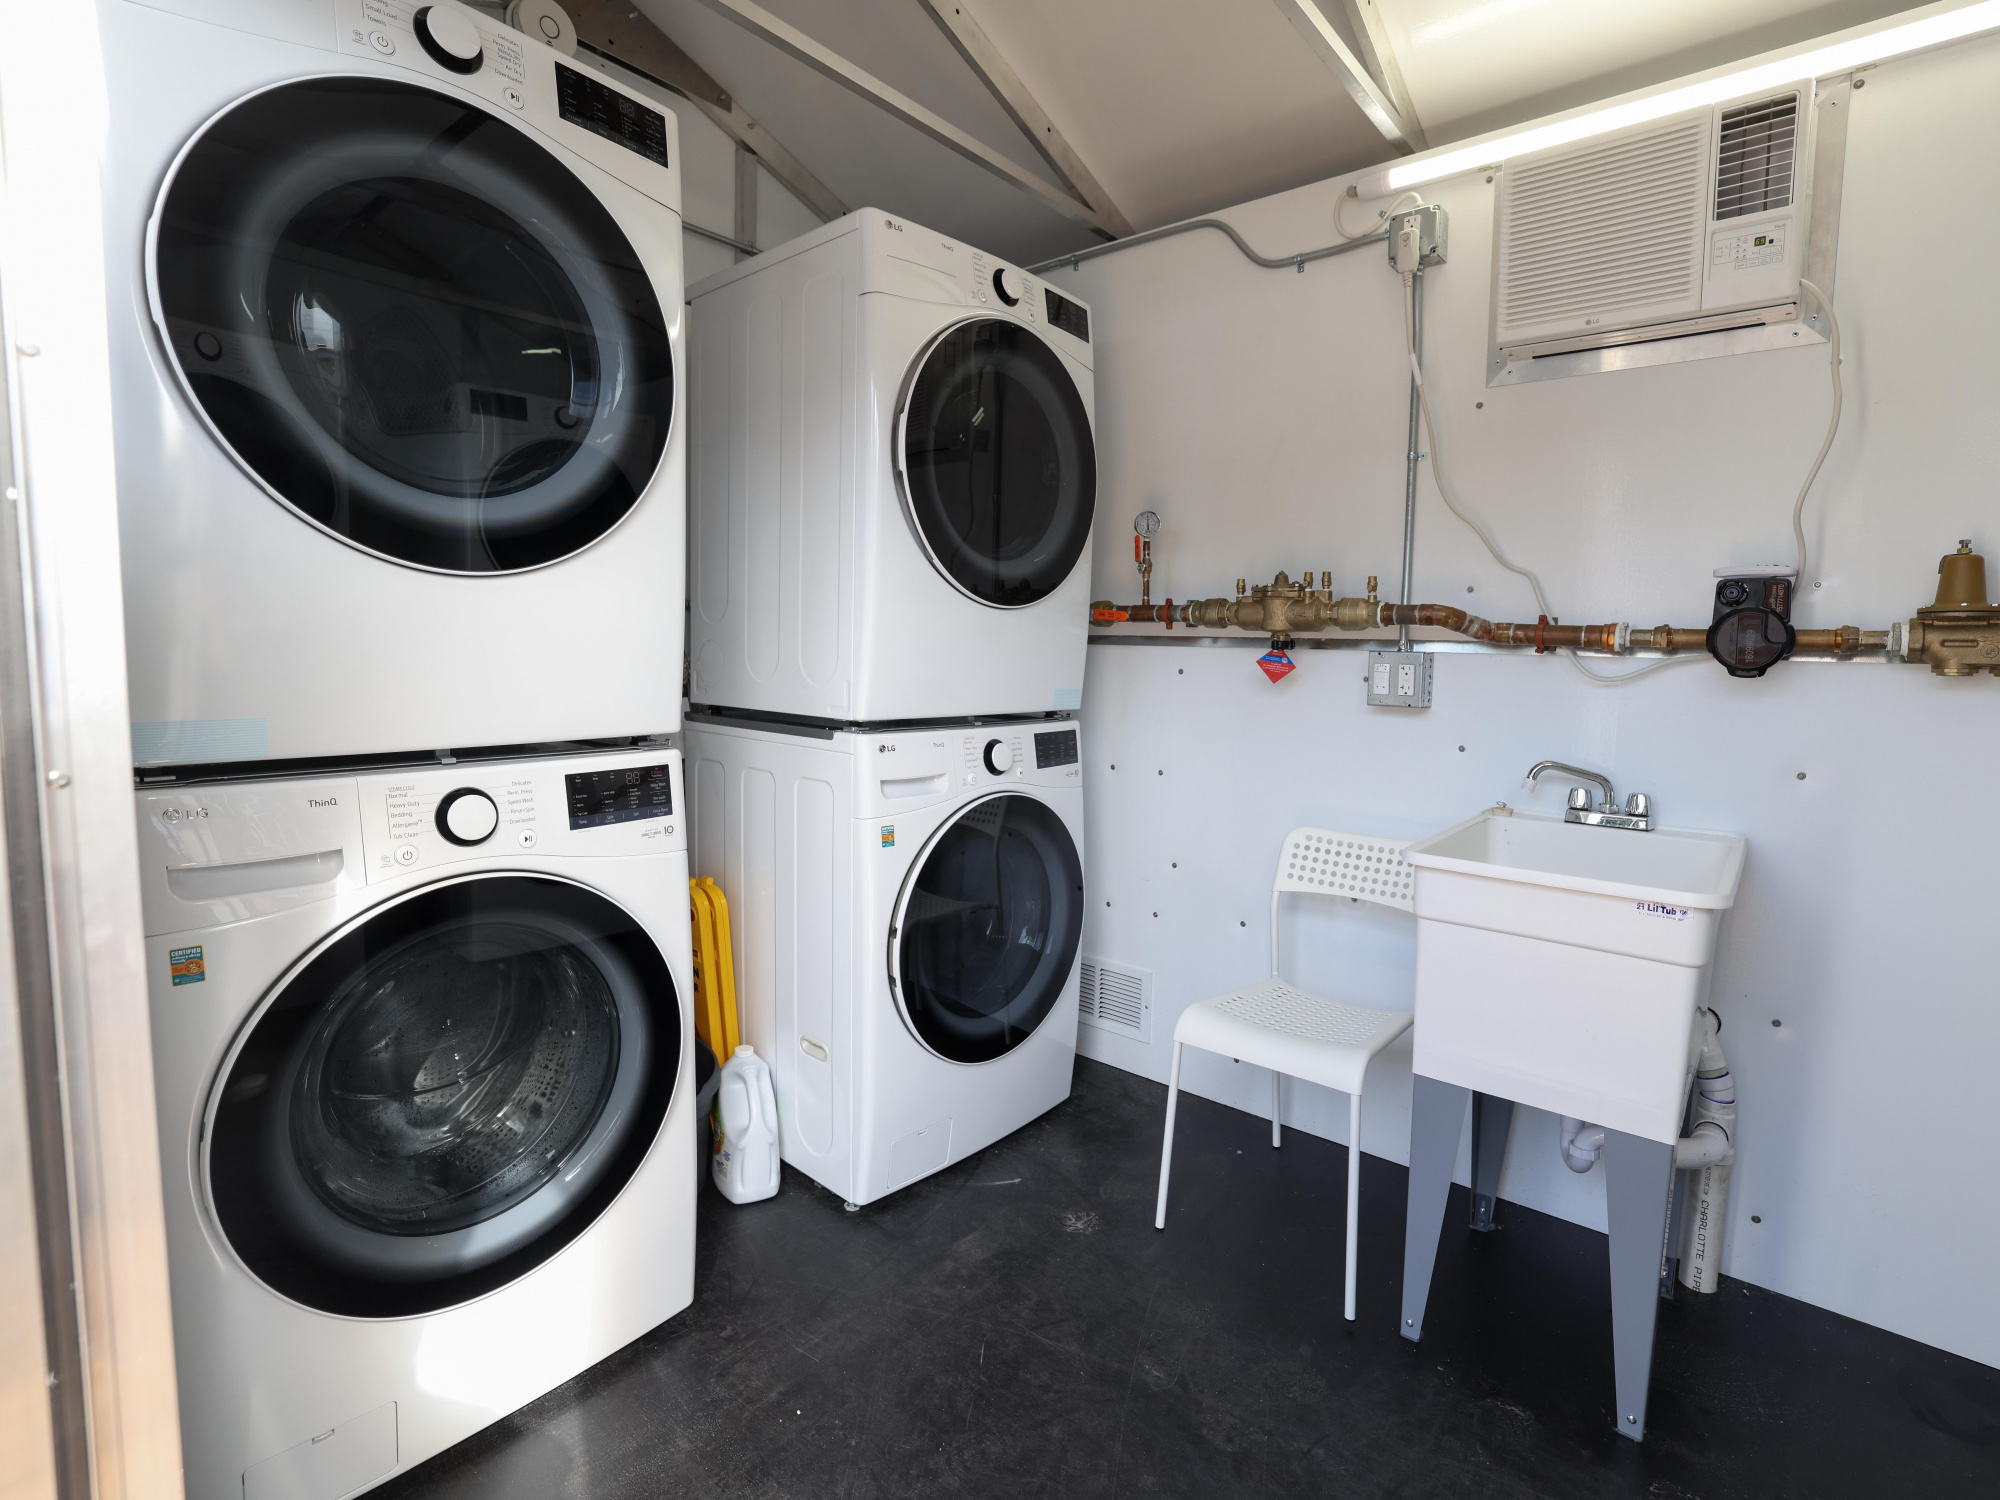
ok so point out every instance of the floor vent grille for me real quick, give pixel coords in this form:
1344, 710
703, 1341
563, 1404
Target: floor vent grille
1116, 998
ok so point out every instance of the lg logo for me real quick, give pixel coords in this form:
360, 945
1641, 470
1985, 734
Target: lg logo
189, 814
885, 749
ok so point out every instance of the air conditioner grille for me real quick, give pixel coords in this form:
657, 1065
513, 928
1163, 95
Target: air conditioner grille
1603, 231
1115, 998
1755, 157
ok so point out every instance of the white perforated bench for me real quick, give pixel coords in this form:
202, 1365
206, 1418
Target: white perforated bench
1291, 1031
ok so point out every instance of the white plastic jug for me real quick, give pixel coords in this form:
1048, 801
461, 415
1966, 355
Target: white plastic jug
745, 1163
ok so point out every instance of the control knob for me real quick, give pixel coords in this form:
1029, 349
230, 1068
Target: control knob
450, 38
1007, 283
999, 757
467, 817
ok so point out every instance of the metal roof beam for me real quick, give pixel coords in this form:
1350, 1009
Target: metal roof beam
621, 34
991, 67
1311, 23
794, 43
1371, 38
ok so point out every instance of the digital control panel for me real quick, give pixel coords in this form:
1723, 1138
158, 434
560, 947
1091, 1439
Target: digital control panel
584, 101
1055, 748
1067, 315
622, 794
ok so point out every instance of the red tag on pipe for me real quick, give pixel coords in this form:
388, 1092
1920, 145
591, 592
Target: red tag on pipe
1276, 664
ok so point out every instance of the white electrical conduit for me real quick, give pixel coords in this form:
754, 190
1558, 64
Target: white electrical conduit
1534, 582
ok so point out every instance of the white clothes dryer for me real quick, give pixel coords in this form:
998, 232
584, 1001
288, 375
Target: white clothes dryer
423, 1058
395, 358
905, 910
893, 473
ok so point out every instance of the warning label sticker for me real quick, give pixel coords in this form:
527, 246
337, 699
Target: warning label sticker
186, 966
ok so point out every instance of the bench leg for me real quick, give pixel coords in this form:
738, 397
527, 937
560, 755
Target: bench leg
1275, 1076
1437, 1115
1167, 1145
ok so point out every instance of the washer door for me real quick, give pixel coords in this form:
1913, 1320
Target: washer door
444, 1095
987, 927
412, 324
996, 462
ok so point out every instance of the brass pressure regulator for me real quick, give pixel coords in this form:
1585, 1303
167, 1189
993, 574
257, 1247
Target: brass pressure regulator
1959, 634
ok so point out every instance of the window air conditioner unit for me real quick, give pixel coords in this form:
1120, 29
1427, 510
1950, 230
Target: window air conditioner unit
1694, 225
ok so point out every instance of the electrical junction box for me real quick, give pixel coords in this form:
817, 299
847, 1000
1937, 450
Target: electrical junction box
1417, 239
1399, 679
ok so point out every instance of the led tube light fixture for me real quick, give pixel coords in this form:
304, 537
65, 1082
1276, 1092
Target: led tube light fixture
1942, 24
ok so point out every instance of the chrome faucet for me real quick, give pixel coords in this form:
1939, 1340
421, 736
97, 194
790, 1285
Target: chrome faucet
1638, 813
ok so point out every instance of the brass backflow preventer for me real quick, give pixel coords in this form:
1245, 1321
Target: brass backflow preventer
1959, 635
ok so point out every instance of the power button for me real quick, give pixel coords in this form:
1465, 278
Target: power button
406, 854
382, 42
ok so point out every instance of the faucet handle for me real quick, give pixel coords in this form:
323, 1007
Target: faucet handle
1579, 799
1639, 805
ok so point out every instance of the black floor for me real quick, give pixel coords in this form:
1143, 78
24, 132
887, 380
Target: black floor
1016, 1327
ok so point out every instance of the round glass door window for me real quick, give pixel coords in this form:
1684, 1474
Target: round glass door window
998, 467
448, 1093
987, 932
412, 324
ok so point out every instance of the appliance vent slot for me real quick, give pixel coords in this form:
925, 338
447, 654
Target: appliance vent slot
1116, 998
1589, 234
1756, 156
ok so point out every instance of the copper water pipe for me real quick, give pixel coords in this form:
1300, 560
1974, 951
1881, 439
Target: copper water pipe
1294, 609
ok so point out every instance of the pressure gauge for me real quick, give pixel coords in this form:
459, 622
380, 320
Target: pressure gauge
1147, 524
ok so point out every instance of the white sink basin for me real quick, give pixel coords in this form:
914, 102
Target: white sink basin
1560, 964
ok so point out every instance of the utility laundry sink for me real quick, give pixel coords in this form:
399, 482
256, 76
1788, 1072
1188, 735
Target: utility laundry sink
1559, 964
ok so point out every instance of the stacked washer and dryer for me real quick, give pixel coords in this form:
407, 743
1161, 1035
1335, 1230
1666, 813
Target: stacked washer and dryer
893, 480
402, 526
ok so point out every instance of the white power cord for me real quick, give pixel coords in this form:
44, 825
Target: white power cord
1340, 228
1451, 503
1832, 426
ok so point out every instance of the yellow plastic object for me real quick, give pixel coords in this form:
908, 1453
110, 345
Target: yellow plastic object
707, 992
725, 968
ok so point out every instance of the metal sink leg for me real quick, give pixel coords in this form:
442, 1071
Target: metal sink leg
1638, 1186
1437, 1116
1492, 1117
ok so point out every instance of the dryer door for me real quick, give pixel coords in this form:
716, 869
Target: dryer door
987, 927
996, 462
443, 1095
412, 324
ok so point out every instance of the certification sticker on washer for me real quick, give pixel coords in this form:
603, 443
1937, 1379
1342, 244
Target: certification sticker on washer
186, 965
1655, 909
888, 835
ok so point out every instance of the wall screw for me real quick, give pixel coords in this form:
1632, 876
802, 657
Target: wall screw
1777, 1023
1802, 776
1756, 1218
58, 779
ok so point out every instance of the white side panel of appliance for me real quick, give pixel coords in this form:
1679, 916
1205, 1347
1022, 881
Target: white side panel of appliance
771, 522
773, 831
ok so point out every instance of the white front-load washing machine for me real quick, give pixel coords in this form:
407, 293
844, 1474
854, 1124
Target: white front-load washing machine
905, 911
422, 1052
893, 475
396, 324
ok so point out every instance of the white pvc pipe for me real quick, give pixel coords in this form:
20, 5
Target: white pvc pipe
1580, 1143
1714, 1116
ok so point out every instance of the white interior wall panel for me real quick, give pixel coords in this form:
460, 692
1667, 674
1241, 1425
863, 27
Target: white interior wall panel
1262, 414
